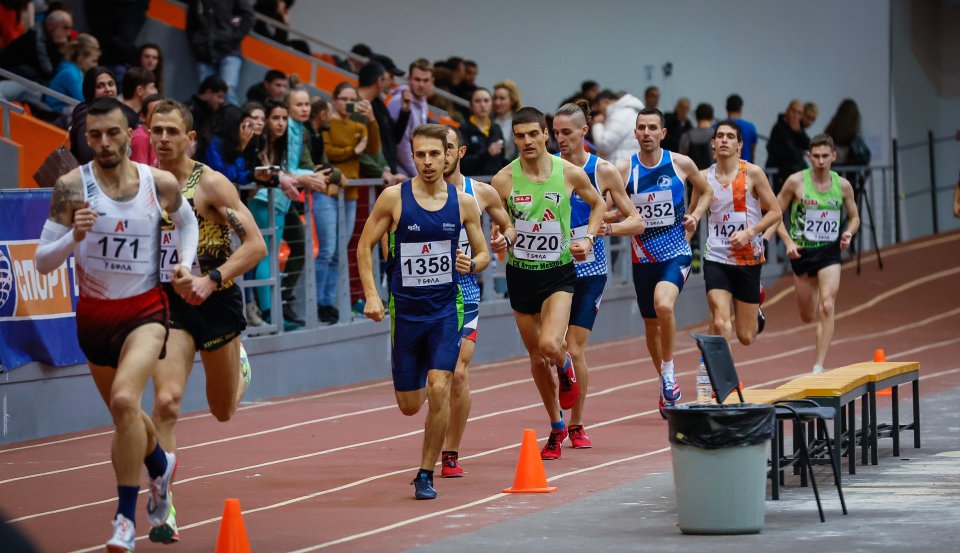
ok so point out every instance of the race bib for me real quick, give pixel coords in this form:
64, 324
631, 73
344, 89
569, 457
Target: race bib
543, 241
821, 225
426, 263
464, 243
169, 258
656, 208
580, 233
726, 225
119, 245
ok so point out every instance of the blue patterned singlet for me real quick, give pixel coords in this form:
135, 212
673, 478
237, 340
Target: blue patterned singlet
658, 194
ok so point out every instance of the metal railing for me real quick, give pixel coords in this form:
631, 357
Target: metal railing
39, 88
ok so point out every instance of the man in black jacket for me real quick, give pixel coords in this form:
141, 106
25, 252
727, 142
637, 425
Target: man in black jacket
788, 145
215, 29
35, 55
375, 80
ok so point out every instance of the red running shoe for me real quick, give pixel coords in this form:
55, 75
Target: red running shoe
551, 451
578, 438
763, 294
450, 465
569, 388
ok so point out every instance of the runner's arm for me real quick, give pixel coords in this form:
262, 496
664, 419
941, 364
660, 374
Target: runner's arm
57, 241
471, 221
493, 205
785, 198
221, 195
502, 184
377, 224
584, 188
768, 202
181, 214
853, 214
612, 183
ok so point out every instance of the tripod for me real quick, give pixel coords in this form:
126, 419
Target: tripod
861, 197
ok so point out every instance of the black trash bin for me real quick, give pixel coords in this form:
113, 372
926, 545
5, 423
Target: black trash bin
720, 466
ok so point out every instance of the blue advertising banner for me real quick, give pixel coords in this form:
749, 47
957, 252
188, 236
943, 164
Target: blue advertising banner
37, 320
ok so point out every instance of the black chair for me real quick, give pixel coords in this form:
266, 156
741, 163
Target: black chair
724, 380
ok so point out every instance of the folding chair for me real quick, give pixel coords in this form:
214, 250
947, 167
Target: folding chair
724, 380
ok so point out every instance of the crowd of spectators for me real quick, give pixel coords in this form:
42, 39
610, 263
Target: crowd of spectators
310, 147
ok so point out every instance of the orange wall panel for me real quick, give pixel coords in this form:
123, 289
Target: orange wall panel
259, 51
169, 13
38, 139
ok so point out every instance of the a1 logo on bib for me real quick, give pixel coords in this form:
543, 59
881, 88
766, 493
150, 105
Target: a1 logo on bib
664, 182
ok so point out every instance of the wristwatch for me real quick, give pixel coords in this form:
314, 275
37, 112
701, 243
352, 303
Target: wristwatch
215, 276
506, 237
473, 266
591, 238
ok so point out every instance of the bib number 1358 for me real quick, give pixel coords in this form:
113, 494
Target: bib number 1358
426, 263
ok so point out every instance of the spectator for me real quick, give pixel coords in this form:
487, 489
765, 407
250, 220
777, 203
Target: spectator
470, 71
482, 137
412, 98
141, 150
319, 122
697, 142
748, 129
676, 124
35, 55
150, 58
810, 113
273, 87
458, 76
506, 101
215, 29
278, 10
206, 102
362, 54
138, 83
375, 80
98, 82
116, 24
787, 145
14, 16
651, 97
345, 141
613, 128
844, 128
232, 132
588, 91
78, 56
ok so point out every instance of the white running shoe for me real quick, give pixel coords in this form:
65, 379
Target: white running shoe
124, 535
817, 369
158, 497
246, 372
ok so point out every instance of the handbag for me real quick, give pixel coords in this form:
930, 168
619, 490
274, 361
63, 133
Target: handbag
58, 163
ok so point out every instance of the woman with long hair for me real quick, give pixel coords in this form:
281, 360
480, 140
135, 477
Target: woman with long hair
98, 82
482, 137
150, 58
506, 101
233, 132
844, 128
78, 56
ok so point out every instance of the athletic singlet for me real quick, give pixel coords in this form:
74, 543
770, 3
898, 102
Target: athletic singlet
119, 258
469, 285
422, 259
658, 194
815, 217
214, 247
596, 262
733, 209
541, 217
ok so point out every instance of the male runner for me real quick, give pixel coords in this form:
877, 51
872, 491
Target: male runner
486, 199
735, 251
570, 126
815, 198
209, 317
536, 188
661, 255
424, 217
109, 210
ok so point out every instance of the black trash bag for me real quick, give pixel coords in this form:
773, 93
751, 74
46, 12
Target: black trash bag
720, 426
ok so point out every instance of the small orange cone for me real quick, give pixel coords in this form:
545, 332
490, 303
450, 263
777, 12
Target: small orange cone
879, 356
233, 534
530, 477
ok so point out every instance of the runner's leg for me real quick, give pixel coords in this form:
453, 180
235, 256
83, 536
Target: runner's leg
829, 281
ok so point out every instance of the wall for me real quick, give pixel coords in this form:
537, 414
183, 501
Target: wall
768, 51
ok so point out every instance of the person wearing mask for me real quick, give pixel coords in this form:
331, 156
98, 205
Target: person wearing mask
483, 139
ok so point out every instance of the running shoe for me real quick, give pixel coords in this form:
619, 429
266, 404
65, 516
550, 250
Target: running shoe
246, 372
450, 466
763, 294
159, 499
761, 320
817, 369
551, 451
670, 390
569, 388
660, 407
578, 437
124, 535
167, 532
423, 487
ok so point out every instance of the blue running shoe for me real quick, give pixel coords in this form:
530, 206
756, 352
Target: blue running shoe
670, 390
423, 487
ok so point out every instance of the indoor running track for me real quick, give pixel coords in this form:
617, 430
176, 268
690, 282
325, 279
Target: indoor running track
331, 470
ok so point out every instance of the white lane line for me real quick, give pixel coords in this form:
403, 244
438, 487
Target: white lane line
607, 366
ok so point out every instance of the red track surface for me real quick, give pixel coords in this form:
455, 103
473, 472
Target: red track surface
332, 469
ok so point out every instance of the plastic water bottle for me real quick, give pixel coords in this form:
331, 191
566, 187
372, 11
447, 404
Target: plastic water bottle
704, 390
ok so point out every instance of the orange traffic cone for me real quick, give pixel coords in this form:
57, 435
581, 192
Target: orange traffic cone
233, 534
530, 477
879, 356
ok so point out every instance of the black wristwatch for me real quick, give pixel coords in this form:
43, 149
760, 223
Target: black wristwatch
215, 276
473, 266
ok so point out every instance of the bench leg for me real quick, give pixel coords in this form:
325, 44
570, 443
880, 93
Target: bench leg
851, 438
874, 437
916, 413
864, 429
775, 463
895, 407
